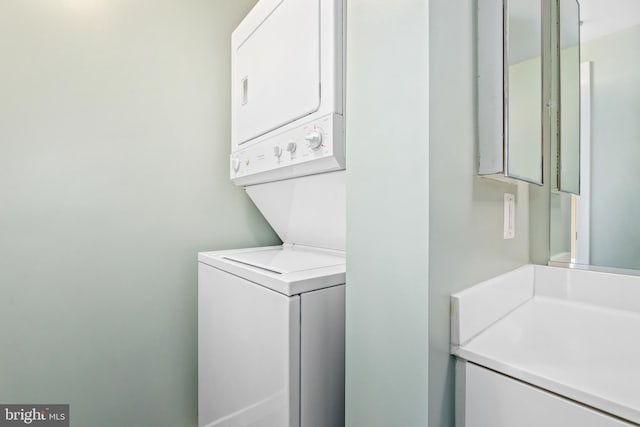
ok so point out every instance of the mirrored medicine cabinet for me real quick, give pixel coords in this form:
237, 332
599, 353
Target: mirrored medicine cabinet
518, 108
510, 58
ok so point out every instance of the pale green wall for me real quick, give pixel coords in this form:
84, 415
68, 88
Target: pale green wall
387, 213
466, 242
114, 142
615, 133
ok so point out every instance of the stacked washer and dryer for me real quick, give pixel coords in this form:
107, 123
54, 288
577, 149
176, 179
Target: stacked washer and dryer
271, 319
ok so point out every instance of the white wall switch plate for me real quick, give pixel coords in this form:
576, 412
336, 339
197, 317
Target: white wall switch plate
509, 216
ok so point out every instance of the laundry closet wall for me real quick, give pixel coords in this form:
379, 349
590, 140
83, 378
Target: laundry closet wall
421, 223
114, 144
387, 212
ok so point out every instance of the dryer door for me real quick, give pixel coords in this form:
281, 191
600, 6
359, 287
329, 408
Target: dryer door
277, 69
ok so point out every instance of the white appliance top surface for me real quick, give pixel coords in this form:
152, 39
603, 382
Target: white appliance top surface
287, 269
583, 351
281, 260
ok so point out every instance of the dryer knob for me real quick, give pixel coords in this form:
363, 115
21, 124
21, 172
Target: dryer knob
277, 151
314, 138
235, 164
291, 147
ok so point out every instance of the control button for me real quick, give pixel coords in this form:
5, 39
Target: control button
235, 164
277, 151
291, 147
314, 138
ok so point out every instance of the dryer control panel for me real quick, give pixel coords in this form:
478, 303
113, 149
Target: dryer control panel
316, 146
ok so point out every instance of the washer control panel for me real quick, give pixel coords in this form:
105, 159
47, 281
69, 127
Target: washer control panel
314, 147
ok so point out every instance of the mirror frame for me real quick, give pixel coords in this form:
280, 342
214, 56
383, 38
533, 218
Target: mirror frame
558, 141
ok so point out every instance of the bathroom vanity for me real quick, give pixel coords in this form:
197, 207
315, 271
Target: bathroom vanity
558, 346
546, 346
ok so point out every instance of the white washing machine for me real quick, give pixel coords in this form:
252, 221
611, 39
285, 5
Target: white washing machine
271, 320
271, 337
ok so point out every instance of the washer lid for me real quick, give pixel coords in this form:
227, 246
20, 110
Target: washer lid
288, 269
282, 261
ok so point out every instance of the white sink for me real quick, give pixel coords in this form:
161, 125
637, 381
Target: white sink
571, 332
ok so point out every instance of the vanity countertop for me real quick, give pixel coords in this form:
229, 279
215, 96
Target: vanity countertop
573, 333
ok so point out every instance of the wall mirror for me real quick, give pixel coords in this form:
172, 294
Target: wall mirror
510, 94
600, 226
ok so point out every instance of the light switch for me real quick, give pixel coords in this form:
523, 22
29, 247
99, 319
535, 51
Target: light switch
509, 216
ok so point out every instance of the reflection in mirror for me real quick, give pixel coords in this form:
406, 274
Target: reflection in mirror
524, 97
569, 141
601, 226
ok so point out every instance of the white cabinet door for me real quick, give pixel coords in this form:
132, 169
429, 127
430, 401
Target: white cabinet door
488, 399
248, 353
277, 69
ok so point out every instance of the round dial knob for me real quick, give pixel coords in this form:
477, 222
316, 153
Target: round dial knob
277, 151
314, 138
235, 164
291, 147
